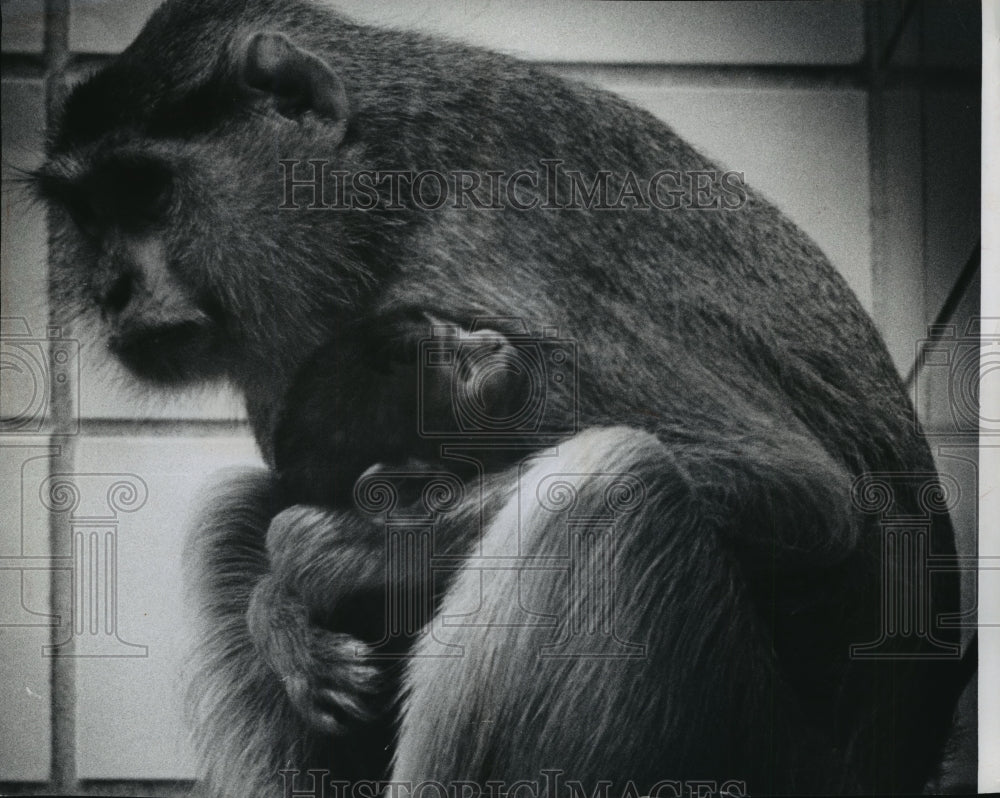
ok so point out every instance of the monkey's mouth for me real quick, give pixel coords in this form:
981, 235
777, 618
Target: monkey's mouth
170, 353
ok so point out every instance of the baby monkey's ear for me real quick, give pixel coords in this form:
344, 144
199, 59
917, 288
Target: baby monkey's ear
297, 80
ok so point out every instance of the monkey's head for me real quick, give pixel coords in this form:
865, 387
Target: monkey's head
164, 180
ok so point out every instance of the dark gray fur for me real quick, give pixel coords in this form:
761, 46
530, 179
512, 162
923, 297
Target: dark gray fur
721, 359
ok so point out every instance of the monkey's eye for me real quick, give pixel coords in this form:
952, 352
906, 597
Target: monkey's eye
67, 195
132, 193
129, 193
143, 189
84, 215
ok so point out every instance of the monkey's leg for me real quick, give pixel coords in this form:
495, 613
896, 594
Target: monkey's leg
246, 729
674, 677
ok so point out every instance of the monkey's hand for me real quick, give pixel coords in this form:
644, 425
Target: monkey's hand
301, 615
325, 673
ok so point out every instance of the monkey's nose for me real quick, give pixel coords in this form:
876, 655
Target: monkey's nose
119, 294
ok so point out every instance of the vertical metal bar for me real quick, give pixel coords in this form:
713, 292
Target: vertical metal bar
63, 670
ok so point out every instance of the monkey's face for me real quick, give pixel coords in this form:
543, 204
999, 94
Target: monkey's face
164, 183
118, 210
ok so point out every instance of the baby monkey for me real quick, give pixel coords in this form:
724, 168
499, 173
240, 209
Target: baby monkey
380, 402
393, 395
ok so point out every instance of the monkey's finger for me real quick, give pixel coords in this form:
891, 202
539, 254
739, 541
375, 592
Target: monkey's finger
301, 695
321, 717
327, 710
340, 702
339, 663
323, 720
364, 681
314, 706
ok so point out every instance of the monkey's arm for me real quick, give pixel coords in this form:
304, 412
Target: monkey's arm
248, 727
321, 665
324, 554
316, 614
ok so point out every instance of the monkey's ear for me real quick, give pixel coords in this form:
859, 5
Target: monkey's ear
297, 80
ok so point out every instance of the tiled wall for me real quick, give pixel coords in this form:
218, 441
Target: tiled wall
876, 158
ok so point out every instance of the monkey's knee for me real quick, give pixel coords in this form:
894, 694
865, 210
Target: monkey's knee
602, 585
530, 645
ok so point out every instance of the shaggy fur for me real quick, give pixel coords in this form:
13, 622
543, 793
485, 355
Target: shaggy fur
720, 361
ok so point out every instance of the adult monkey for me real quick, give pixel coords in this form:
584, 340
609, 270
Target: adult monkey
721, 362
